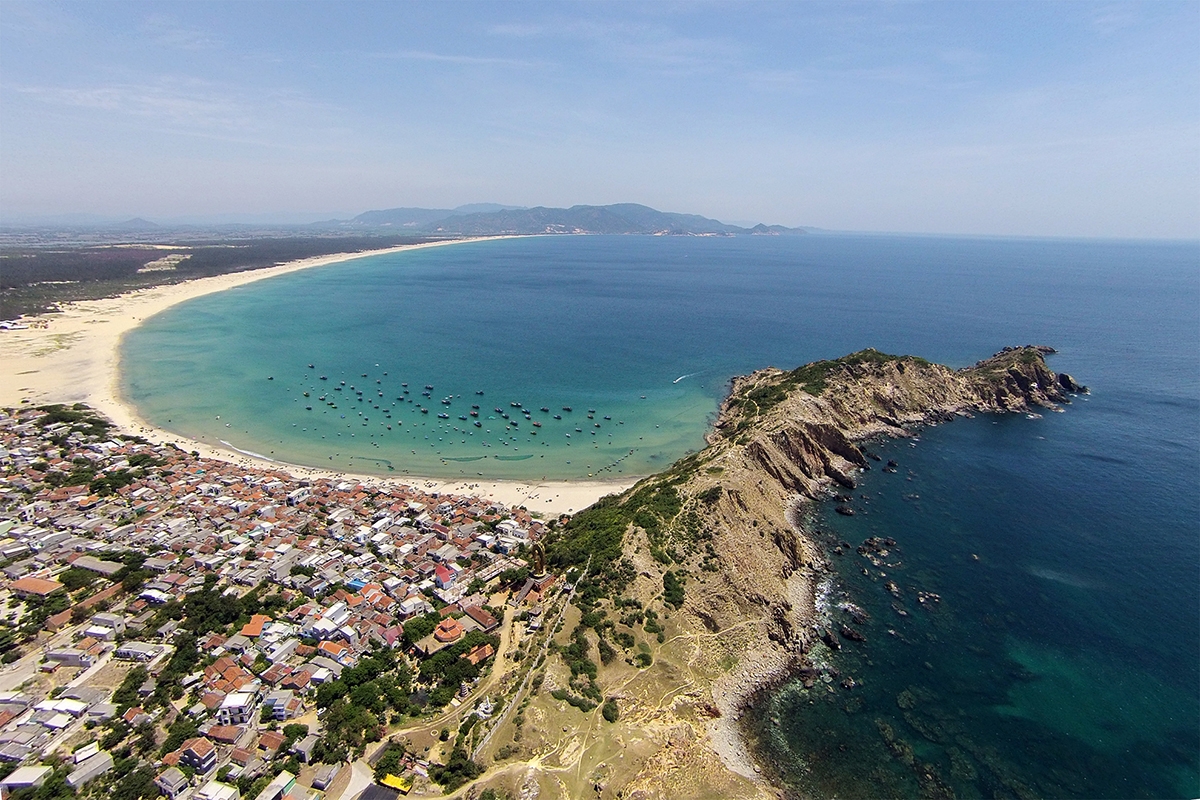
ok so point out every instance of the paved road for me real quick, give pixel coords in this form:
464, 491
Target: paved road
87, 674
361, 776
21, 670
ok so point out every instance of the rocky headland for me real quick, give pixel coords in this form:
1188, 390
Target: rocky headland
725, 523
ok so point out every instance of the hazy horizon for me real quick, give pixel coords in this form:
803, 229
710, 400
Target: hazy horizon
1014, 119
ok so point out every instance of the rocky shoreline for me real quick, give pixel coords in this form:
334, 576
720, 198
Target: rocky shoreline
784, 439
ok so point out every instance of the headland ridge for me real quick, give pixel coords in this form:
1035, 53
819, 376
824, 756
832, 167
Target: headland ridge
717, 545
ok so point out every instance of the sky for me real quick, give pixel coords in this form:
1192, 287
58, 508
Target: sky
994, 118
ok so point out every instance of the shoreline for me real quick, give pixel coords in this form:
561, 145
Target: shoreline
761, 673
73, 356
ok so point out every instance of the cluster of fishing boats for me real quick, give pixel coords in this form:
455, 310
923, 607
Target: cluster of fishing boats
372, 396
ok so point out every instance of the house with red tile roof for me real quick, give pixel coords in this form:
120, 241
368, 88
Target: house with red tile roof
335, 650
35, 587
299, 681
485, 620
448, 630
270, 741
444, 577
225, 734
480, 653
200, 754
253, 629
212, 700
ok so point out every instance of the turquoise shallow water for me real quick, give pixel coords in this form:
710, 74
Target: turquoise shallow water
1061, 662
488, 318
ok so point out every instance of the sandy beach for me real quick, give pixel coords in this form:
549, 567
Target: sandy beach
72, 356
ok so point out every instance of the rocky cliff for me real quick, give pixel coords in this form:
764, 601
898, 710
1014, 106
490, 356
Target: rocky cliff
714, 548
800, 427
786, 436
783, 438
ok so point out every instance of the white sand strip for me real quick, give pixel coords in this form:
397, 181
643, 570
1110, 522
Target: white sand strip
72, 357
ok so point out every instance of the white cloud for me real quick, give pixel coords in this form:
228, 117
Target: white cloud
167, 32
1111, 19
445, 58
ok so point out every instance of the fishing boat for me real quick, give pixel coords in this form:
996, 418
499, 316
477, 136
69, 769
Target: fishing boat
478, 424
537, 424
463, 417
429, 386
558, 416
515, 405
566, 408
443, 416
544, 408
324, 377
474, 413
606, 416
424, 410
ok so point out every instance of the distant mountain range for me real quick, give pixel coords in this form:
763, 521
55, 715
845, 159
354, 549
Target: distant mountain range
488, 220
477, 219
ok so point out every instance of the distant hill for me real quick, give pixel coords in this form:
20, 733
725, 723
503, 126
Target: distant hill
135, 224
621, 218
414, 218
476, 219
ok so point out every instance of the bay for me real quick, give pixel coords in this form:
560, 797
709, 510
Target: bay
1060, 662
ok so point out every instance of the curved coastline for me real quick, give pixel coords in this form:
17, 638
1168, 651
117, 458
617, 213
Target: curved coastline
74, 356
76, 359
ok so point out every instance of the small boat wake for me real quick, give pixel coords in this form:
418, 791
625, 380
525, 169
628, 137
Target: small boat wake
689, 375
250, 453
383, 461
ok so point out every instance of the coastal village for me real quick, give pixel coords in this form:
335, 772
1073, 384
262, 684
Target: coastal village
185, 627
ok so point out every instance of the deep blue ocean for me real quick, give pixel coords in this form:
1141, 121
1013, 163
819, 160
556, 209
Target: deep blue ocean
1061, 657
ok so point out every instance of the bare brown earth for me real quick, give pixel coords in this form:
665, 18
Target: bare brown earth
782, 439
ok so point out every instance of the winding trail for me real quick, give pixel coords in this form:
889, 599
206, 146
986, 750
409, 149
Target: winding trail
516, 699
